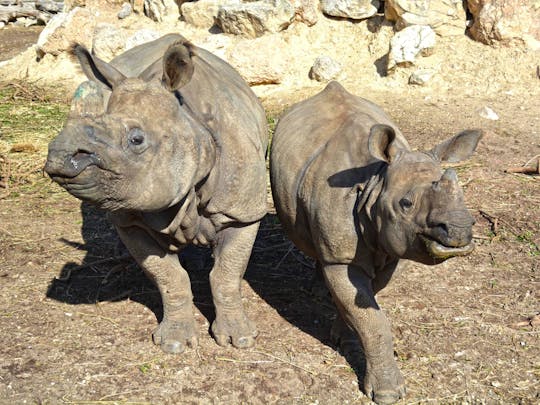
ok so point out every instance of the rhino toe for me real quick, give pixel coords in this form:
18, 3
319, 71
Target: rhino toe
237, 330
175, 336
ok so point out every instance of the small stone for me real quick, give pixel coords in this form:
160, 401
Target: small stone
420, 77
2, 24
324, 69
488, 113
125, 11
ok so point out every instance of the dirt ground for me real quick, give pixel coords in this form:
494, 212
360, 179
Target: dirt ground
14, 39
76, 313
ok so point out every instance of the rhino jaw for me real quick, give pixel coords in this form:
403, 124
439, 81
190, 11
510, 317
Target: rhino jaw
442, 252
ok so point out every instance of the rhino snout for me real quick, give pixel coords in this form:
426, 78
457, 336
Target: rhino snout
72, 164
452, 230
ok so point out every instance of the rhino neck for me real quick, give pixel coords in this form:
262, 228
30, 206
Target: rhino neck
366, 211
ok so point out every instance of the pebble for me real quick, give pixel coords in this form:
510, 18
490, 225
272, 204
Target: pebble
488, 113
125, 11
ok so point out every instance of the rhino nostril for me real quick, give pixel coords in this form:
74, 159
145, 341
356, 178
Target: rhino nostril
443, 227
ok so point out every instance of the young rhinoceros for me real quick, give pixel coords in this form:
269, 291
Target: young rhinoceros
350, 193
173, 148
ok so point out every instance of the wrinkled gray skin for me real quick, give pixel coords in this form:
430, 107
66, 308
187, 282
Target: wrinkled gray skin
350, 193
171, 142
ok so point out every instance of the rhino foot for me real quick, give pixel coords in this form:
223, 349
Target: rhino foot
234, 328
386, 386
175, 335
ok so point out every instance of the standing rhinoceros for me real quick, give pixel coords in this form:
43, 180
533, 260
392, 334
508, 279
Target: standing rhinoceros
172, 144
350, 193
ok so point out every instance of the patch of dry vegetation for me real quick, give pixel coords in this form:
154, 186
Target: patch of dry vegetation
29, 118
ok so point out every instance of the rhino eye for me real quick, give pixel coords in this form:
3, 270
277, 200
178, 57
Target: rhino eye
405, 203
137, 139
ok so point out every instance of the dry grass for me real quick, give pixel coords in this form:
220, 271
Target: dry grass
29, 119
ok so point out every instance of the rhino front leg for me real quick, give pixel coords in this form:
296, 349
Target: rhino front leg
177, 329
354, 297
231, 253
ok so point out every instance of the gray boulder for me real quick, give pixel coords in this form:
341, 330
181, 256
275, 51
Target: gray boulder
255, 18
446, 17
109, 41
408, 43
324, 69
354, 9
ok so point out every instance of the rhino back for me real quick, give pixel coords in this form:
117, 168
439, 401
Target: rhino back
319, 153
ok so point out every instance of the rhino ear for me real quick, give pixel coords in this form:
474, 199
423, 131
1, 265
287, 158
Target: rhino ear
459, 147
178, 65
96, 69
382, 142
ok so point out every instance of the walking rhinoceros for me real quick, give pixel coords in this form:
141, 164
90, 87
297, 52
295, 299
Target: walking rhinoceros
351, 193
171, 142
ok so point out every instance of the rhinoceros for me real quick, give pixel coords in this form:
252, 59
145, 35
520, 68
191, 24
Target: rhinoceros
171, 142
351, 193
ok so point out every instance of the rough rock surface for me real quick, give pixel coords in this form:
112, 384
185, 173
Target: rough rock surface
355, 9
307, 11
140, 37
408, 43
420, 77
255, 18
66, 28
324, 69
125, 11
109, 41
506, 21
446, 17
259, 60
161, 10
202, 13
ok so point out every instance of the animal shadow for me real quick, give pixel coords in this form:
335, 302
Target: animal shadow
108, 273
279, 273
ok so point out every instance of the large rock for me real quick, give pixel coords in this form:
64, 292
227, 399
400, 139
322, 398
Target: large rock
141, 37
202, 13
162, 10
324, 69
354, 9
109, 41
506, 21
446, 17
306, 11
260, 60
255, 18
65, 29
408, 43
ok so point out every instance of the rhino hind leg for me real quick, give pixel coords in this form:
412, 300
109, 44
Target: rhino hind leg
231, 254
177, 329
354, 297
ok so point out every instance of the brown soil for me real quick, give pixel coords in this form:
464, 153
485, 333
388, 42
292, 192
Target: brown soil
14, 39
76, 315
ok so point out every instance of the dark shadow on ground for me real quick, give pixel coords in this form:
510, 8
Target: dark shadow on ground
277, 272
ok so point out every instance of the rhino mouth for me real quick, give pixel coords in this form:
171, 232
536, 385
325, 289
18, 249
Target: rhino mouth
439, 251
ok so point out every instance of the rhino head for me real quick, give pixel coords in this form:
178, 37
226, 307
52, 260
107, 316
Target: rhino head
144, 149
420, 212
